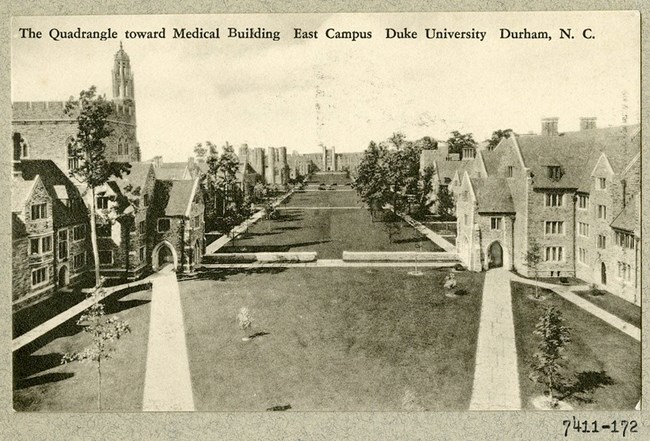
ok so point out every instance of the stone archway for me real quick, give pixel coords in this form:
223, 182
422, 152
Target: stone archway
495, 255
164, 253
64, 276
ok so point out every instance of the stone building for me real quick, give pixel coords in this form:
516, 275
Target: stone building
45, 131
573, 193
177, 234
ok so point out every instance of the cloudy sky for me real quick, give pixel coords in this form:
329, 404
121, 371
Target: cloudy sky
298, 93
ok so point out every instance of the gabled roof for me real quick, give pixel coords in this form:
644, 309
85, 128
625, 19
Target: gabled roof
137, 176
54, 181
172, 171
18, 229
577, 153
179, 194
493, 195
490, 160
628, 219
20, 191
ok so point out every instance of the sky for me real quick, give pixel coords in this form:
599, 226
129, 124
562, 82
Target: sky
299, 93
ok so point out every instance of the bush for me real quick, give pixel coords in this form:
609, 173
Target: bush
459, 267
461, 292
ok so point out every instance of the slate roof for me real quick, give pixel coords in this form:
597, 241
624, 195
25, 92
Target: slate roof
577, 154
18, 229
137, 176
493, 195
628, 219
20, 190
491, 160
54, 179
169, 171
175, 195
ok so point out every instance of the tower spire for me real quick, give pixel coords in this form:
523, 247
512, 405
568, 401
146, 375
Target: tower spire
122, 77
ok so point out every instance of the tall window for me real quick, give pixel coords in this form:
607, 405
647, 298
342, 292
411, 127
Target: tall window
602, 183
553, 199
509, 171
79, 260
46, 244
120, 146
79, 232
625, 240
143, 253
624, 271
602, 241
583, 229
495, 223
554, 227
39, 211
602, 212
39, 276
145, 199
102, 202
24, 148
554, 254
582, 255
583, 201
73, 158
63, 244
142, 227
34, 246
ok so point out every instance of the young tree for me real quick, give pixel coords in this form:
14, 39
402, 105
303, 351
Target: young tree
92, 168
227, 166
459, 141
532, 260
547, 363
104, 330
497, 136
445, 204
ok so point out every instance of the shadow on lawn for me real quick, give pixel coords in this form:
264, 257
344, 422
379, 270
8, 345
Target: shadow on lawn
585, 384
270, 248
42, 379
222, 274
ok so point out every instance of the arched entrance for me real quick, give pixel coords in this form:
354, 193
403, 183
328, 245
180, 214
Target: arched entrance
64, 277
495, 255
163, 254
603, 273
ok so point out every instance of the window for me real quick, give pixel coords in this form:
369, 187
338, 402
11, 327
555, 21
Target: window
146, 199
495, 223
602, 241
120, 143
625, 240
582, 255
73, 158
79, 260
24, 148
34, 246
102, 202
142, 227
554, 172
602, 183
196, 222
164, 224
583, 201
46, 244
143, 254
105, 257
624, 271
104, 230
79, 232
39, 211
465, 195
509, 171
554, 227
554, 199
554, 254
63, 244
583, 229
602, 212
39, 276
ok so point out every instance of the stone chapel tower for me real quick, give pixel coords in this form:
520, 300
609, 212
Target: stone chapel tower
122, 78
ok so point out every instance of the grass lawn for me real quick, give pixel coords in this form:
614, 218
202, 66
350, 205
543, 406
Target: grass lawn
338, 339
621, 308
27, 319
328, 232
41, 383
604, 364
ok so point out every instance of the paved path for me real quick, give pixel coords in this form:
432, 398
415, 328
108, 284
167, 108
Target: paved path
328, 263
167, 383
320, 208
431, 235
496, 380
566, 293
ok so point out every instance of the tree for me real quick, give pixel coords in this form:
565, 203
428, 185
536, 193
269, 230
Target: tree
92, 168
104, 330
532, 260
200, 151
459, 141
497, 136
227, 167
424, 189
547, 363
445, 204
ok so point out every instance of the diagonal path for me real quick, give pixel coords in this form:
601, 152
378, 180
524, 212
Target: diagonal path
496, 380
167, 383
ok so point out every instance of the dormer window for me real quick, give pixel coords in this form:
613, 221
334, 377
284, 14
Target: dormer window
554, 172
602, 183
509, 171
102, 202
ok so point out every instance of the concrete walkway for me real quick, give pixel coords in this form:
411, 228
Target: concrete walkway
329, 263
431, 235
566, 293
167, 383
496, 380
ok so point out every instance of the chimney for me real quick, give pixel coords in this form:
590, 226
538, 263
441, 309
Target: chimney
157, 161
587, 123
549, 126
190, 162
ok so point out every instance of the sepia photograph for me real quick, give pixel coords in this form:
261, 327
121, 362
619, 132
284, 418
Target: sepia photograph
345, 212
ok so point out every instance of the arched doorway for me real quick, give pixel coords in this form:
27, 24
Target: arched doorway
163, 254
64, 278
495, 255
603, 273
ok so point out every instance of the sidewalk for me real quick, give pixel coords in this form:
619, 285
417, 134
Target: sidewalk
167, 384
496, 379
431, 235
567, 294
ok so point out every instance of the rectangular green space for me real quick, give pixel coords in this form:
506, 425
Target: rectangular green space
621, 308
335, 339
604, 364
323, 198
